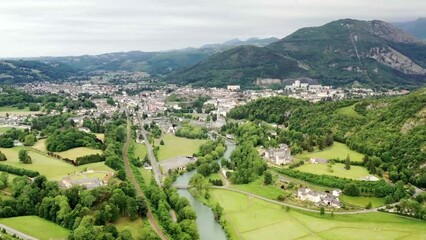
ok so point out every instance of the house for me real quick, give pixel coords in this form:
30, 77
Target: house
233, 87
280, 155
17, 143
318, 161
147, 166
336, 192
84, 129
369, 178
319, 198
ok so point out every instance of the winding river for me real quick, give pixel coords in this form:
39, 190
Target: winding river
208, 228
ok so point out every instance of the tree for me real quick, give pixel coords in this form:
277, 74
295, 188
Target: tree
267, 177
24, 157
30, 140
2, 156
204, 169
348, 163
161, 142
351, 190
369, 205
215, 167
121, 174
322, 211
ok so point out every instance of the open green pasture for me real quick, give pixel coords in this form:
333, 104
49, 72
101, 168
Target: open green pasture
52, 168
251, 218
338, 170
337, 150
36, 227
177, 146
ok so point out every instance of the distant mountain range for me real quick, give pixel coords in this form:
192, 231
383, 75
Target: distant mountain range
340, 53
343, 52
416, 28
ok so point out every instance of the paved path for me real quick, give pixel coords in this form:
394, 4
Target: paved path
132, 178
151, 156
12, 231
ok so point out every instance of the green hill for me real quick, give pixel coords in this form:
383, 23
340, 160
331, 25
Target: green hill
240, 65
391, 130
343, 52
19, 71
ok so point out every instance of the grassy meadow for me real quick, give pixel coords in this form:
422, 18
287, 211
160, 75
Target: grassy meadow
338, 170
337, 150
134, 227
349, 111
52, 168
251, 218
36, 227
15, 111
73, 153
177, 146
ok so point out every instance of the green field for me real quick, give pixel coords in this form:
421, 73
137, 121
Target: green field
140, 150
338, 150
338, 170
257, 187
147, 175
251, 218
16, 111
73, 153
177, 146
134, 227
36, 227
52, 168
349, 111
4, 129
362, 201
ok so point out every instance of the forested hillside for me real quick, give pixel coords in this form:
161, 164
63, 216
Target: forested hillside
390, 130
340, 53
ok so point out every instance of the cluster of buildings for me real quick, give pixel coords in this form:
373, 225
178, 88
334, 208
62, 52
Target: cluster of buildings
328, 199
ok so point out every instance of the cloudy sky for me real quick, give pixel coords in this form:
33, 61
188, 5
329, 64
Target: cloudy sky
75, 27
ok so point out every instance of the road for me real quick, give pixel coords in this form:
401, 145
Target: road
151, 156
132, 179
19, 234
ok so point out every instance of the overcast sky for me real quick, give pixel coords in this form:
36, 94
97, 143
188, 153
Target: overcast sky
75, 27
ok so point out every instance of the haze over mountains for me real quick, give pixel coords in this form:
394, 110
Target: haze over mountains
416, 28
340, 53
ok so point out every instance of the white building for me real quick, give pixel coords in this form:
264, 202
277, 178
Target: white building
280, 155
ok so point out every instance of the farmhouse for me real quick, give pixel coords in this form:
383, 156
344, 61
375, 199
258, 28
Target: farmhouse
318, 161
280, 155
320, 198
369, 178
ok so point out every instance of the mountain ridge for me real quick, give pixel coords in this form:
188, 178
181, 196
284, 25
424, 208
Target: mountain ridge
339, 53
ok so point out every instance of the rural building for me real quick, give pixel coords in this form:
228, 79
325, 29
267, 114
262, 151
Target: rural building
233, 87
320, 198
280, 155
318, 161
369, 178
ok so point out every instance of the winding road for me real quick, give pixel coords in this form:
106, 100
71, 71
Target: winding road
132, 179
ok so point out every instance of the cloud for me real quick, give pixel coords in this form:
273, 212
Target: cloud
73, 27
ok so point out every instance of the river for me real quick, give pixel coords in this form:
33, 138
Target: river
208, 228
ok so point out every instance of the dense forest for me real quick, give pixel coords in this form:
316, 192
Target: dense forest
390, 130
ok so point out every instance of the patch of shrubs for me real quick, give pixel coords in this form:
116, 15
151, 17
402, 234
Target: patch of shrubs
18, 171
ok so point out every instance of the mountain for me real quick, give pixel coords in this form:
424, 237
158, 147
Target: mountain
20, 71
154, 63
416, 28
236, 42
343, 52
239, 65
